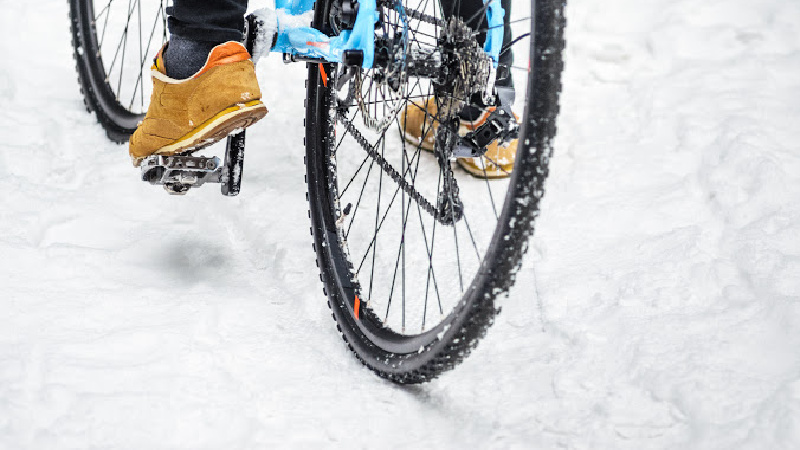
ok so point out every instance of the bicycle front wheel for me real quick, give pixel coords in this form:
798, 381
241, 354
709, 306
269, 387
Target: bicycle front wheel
413, 251
113, 43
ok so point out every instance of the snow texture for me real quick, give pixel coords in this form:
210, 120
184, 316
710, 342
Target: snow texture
659, 306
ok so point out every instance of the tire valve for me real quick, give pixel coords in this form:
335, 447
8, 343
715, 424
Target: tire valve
345, 213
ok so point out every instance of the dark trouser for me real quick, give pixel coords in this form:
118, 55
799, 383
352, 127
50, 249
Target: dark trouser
219, 21
214, 21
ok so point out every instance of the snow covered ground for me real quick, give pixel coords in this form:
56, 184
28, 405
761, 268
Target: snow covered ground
666, 264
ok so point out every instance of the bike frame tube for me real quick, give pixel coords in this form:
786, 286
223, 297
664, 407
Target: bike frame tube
310, 43
494, 36
295, 7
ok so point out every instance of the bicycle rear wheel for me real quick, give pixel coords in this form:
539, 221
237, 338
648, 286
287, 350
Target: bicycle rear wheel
113, 43
413, 291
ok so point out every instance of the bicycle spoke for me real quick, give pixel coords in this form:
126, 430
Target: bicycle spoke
358, 203
489, 188
374, 250
471, 237
380, 226
126, 69
110, 68
104, 10
124, 48
105, 24
428, 250
353, 178
335, 151
496, 164
143, 56
402, 249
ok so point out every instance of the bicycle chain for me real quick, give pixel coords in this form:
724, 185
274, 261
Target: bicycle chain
424, 17
451, 191
439, 214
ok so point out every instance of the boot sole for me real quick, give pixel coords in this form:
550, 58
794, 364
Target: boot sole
490, 174
228, 121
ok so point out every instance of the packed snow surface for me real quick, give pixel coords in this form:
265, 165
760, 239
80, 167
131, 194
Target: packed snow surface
659, 306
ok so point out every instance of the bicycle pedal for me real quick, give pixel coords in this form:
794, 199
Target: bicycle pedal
179, 173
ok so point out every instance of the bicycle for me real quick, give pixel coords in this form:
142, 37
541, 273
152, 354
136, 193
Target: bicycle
409, 302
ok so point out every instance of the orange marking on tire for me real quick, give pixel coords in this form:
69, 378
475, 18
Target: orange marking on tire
357, 307
324, 78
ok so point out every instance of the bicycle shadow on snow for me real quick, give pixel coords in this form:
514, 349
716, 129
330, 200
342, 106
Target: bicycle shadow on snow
190, 260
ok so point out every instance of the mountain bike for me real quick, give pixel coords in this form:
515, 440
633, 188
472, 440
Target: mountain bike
413, 251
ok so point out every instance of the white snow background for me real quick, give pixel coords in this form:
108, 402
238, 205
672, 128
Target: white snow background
659, 306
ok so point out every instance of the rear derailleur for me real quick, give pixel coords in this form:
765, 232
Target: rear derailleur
501, 126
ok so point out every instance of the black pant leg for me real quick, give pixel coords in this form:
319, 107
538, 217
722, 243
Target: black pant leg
208, 20
506, 57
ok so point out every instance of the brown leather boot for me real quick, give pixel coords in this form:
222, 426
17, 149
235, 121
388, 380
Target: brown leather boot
419, 126
187, 115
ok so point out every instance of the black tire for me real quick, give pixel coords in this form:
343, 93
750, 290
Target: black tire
419, 357
104, 83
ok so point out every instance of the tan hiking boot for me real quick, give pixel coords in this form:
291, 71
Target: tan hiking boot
419, 128
187, 115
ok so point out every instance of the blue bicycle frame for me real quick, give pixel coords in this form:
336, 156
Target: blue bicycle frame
309, 43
